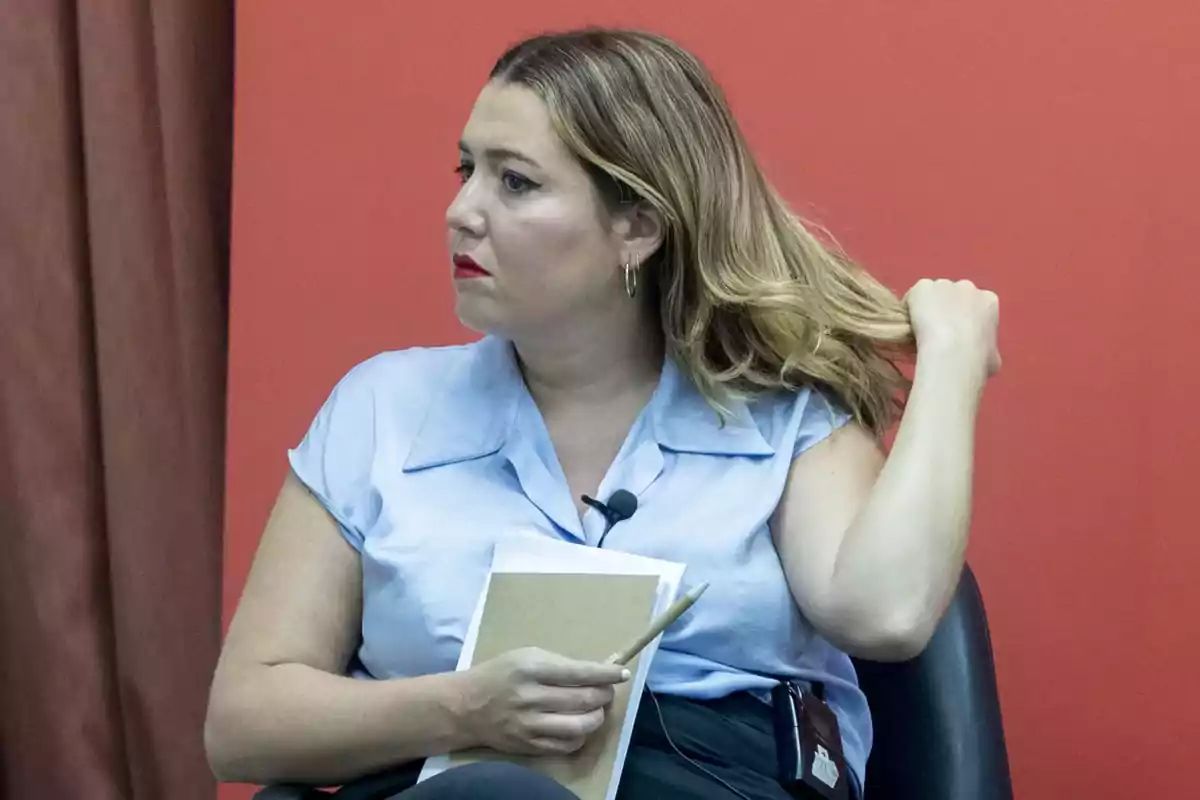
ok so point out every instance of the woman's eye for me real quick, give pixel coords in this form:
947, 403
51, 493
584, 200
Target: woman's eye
464, 171
516, 183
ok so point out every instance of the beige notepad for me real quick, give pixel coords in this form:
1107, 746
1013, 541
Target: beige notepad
582, 603
580, 616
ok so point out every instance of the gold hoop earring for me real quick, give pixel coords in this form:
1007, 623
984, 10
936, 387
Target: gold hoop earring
631, 277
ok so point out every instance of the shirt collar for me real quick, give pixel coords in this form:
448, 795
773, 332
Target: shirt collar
473, 412
686, 423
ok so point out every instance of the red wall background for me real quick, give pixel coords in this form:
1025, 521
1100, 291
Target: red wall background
1046, 149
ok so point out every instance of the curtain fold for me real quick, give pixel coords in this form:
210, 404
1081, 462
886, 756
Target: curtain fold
115, 155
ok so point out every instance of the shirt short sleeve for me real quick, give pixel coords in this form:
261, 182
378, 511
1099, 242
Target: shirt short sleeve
335, 457
821, 415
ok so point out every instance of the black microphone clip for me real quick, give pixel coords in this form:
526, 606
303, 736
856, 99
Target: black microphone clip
622, 504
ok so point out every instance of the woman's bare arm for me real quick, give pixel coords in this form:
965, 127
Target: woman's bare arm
279, 709
873, 548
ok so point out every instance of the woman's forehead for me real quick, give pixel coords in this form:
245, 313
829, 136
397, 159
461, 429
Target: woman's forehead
510, 117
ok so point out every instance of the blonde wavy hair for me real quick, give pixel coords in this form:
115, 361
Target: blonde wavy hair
750, 299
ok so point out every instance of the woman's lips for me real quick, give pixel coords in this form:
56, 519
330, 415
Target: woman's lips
465, 267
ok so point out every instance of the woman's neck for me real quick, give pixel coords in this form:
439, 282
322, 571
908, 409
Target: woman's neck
593, 364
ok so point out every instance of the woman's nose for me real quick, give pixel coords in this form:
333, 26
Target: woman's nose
463, 213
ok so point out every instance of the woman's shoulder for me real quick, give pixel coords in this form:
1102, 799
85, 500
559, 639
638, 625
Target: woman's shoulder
799, 416
403, 371
382, 400
395, 385
788, 402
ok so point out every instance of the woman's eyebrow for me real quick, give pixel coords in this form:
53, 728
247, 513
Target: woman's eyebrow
501, 153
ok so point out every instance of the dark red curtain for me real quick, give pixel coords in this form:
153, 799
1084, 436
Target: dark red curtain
115, 131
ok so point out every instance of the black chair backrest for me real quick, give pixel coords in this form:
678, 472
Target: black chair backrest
938, 732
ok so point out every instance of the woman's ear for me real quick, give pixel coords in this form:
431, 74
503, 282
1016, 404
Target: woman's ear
640, 229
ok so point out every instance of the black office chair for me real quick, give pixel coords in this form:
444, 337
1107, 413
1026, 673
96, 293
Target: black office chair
938, 732
379, 786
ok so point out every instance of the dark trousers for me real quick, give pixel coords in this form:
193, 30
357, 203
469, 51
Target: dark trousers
488, 779
727, 746
730, 739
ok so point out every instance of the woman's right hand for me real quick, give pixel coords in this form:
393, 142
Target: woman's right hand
534, 702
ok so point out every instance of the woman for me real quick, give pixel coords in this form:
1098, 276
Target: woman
657, 321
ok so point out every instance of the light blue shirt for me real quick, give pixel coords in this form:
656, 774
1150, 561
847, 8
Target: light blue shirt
427, 457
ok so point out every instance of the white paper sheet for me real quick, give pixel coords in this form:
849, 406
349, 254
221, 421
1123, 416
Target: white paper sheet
533, 552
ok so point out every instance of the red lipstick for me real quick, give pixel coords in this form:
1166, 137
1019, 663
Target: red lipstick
466, 267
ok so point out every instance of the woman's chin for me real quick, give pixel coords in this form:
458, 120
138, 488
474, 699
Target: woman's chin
473, 316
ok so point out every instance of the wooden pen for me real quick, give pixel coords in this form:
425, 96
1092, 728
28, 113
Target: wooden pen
660, 624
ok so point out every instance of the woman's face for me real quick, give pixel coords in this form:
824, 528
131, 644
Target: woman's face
532, 241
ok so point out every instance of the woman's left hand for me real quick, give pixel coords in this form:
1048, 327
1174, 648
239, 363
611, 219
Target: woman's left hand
958, 317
